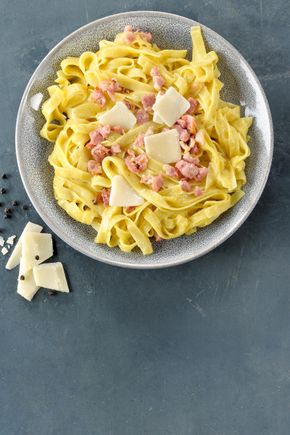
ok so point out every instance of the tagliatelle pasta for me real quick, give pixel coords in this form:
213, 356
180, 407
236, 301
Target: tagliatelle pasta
176, 198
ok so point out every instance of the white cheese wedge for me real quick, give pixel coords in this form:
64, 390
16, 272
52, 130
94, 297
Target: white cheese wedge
119, 115
122, 194
35, 100
14, 258
164, 146
4, 251
10, 240
36, 248
26, 286
51, 276
171, 106
156, 118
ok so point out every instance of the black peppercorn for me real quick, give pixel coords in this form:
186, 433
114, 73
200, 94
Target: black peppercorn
14, 203
7, 211
22, 277
25, 207
4, 176
36, 257
3, 190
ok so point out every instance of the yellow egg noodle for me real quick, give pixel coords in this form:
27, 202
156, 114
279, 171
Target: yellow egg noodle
71, 116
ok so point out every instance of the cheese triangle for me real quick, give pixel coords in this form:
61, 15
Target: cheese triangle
119, 115
36, 248
14, 258
51, 276
26, 286
170, 106
122, 194
163, 146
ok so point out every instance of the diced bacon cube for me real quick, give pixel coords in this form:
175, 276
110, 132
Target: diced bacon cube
181, 122
139, 141
105, 130
98, 135
130, 209
188, 158
136, 164
129, 36
185, 185
118, 129
198, 191
98, 97
142, 116
188, 170
202, 173
158, 81
110, 86
193, 105
100, 152
184, 136
146, 179
190, 123
105, 194
115, 148
95, 137
157, 183
90, 145
94, 167
170, 171
148, 101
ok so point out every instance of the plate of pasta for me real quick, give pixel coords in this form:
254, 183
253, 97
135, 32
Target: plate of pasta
144, 139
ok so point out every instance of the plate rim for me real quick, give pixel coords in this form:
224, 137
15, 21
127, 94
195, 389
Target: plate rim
137, 265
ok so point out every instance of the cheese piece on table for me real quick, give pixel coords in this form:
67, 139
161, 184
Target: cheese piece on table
14, 259
36, 248
26, 286
164, 146
35, 100
51, 276
122, 194
156, 118
171, 106
119, 115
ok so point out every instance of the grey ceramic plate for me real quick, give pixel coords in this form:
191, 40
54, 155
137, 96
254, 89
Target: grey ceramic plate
241, 87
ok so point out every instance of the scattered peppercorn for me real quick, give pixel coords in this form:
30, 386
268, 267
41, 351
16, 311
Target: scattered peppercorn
3, 190
7, 210
7, 216
36, 257
51, 292
22, 277
4, 176
25, 207
14, 203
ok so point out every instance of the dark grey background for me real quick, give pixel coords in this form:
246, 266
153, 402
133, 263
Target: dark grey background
200, 349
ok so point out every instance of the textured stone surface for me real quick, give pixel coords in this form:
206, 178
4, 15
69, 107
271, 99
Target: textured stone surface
199, 349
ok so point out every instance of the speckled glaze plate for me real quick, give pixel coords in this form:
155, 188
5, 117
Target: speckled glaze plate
241, 87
